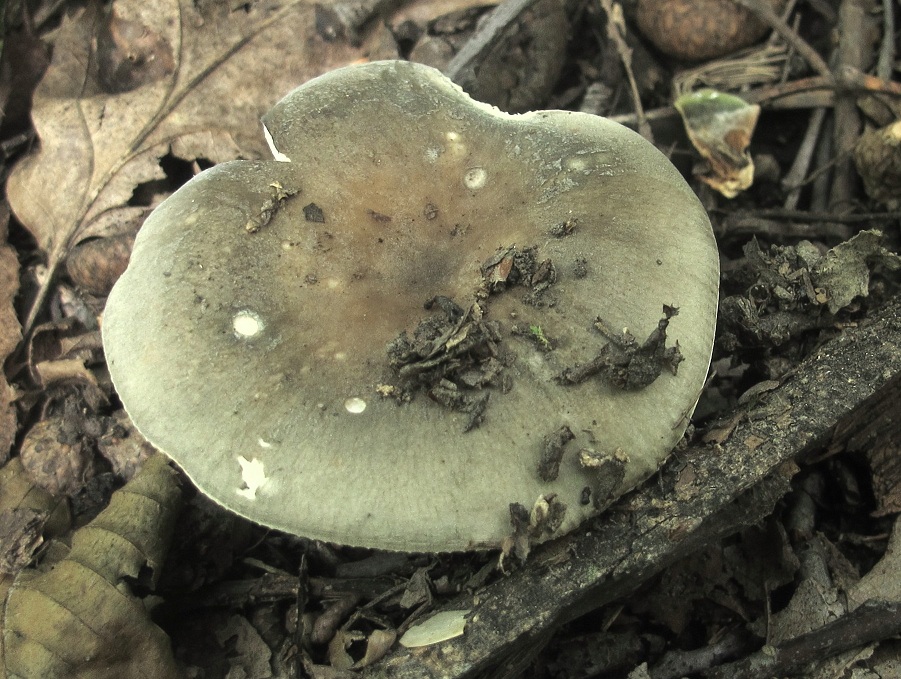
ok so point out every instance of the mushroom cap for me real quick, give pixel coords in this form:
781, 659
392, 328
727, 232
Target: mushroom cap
247, 337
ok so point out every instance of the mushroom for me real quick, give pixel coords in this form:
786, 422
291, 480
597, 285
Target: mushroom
371, 340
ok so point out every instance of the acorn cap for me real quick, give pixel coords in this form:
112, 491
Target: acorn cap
270, 333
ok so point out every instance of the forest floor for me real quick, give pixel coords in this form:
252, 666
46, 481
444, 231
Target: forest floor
766, 546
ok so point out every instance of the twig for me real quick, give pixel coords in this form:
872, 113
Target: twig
764, 12
886, 64
676, 664
819, 197
806, 216
873, 621
461, 67
787, 12
790, 57
811, 92
794, 178
616, 28
852, 51
744, 226
347, 18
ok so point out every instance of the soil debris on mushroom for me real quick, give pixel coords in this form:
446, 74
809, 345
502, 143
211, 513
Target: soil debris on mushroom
625, 363
279, 194
453, 356
551, 456
530, 527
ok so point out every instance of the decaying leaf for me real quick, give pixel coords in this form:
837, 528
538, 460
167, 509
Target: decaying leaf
626, 364
10, 334
123, 446
140, 80
250, 655
79, 620
789, 280
845, 270
884, 580
57, 457
21, 504
877, 156
378, 642
59, 352
721, 126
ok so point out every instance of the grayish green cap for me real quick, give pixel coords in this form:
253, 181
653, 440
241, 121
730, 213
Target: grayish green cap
253, 358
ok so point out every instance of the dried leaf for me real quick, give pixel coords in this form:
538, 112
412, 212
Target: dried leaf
249, 656
877, 156
19, 496
378, 643
195, 84
123, 446
845, 270
10, 333
79, 620
56, 457
883, 581
720, 126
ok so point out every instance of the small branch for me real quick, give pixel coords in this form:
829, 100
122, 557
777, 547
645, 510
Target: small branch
461, 67
764, 12
873, 621
794, 178
886, 64
852, 52
616, 27
809, 92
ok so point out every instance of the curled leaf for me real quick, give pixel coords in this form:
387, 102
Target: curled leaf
877, 156
80, 619
721, 126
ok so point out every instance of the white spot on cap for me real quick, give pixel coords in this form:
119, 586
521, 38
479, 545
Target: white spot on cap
253, 477
247, 324
355, 405
278, 155
577, 164
455, 145
475, 178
